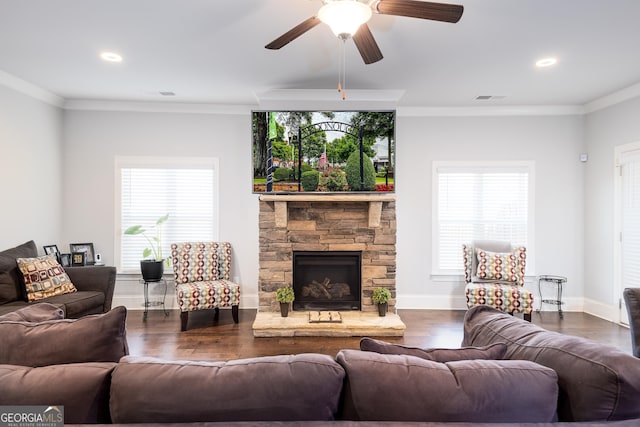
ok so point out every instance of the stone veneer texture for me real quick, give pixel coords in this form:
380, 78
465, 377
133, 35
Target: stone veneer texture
327, 226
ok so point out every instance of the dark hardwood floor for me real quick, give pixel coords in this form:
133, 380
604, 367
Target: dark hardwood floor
160, 336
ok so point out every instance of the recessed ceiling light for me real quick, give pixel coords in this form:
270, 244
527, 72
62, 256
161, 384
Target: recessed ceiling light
546, 62
111, 57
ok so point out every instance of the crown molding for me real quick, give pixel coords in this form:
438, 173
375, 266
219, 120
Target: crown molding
614, 98
156, 107
515, 110
29, 89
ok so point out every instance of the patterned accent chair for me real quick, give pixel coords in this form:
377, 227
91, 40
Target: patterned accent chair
202, 271
494, 273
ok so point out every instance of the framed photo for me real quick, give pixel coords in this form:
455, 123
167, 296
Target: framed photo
87, 248
64, 260
78, 259
51, 250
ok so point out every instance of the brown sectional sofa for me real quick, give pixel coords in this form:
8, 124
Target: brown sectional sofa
598, 384
95, 285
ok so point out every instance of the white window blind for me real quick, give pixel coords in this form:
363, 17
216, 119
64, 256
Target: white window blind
149, 189
476, 201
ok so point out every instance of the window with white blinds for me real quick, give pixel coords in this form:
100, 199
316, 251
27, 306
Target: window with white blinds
479, 200
148, 188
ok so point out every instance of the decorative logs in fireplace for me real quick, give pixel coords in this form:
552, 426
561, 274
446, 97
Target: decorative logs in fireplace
327, 280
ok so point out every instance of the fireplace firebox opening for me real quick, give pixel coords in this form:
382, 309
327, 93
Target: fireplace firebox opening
327, 280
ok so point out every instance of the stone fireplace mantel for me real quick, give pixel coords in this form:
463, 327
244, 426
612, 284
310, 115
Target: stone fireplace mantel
375, 201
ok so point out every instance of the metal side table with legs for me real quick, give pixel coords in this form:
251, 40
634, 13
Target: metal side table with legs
559, 282
148, 303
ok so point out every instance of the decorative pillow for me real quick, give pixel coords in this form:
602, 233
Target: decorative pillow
497, 266
35, 313
44, 277
93, 338
494, 351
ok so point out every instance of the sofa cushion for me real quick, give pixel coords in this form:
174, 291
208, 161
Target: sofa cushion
44, 277
94, 338
299, 387
35, 313
11, 286
83, 389
460, 391
80, 303
491, 352
597, 382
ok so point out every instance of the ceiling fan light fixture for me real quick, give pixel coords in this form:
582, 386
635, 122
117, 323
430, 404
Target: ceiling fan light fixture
344, 17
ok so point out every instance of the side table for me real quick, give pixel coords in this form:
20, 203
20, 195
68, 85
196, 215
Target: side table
558, 281
148, 303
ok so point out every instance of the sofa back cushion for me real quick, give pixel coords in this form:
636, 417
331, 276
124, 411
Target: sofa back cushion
302, 387
11, 286
35, 313
597, 382
491, 352
384, 387
82, 388
94, 338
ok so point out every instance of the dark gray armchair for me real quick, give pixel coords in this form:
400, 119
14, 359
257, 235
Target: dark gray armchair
632, 301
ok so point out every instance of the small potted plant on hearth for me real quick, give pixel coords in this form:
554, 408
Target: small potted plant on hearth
152, 264
381, 297
285, 297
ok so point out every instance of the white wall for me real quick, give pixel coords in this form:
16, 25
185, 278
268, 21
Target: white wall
552, 142
94, 138
604, 130
31, 171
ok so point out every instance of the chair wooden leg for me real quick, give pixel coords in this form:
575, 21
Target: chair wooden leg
234, 313
527, 317
184, 318
216, 314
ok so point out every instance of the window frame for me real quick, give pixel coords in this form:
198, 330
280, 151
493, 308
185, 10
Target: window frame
484, 166
152, 162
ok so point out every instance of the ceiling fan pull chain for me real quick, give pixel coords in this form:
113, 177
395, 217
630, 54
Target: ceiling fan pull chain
344, 69
339, 66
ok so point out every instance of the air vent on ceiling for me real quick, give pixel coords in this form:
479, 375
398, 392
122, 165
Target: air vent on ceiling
167, 93
489, 97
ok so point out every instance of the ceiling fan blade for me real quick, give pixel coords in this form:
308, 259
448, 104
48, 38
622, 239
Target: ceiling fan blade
293, 33
367, 45
420, 9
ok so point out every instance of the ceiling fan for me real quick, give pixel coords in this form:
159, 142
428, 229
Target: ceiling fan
348, 18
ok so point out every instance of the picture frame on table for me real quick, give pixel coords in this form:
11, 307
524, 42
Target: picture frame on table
51, 250
64, 260
78, 259
87, 248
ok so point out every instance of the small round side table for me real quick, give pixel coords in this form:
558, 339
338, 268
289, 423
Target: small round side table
559, 281
148, 303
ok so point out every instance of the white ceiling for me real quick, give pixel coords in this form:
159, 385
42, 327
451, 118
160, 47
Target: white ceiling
212, 51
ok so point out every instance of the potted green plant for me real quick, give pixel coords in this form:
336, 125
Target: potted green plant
285, 296
381, 296
152, 264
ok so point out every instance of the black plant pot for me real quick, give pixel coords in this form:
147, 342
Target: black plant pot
382, 309
284, 309
152, 270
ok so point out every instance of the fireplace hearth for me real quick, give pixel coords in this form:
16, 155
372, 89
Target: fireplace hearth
327, 280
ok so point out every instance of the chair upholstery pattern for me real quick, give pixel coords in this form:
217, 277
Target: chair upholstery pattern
494, 273
202, 272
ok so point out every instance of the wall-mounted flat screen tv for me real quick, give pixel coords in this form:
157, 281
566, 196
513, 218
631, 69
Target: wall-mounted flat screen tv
323, 151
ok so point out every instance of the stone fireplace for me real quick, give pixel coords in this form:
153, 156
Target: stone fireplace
321, 226
364, 223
